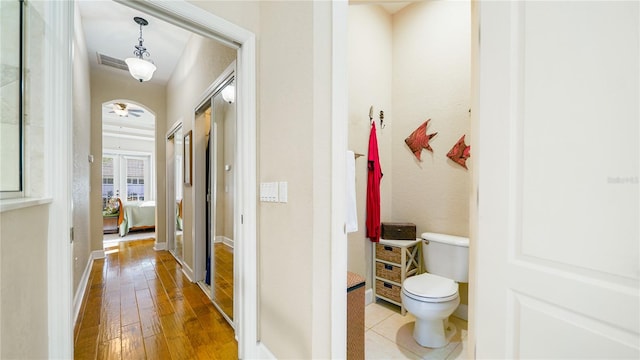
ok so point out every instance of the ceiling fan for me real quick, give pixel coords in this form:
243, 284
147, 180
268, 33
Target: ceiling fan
122, 110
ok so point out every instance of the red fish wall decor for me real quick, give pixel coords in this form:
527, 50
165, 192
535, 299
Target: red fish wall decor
419, 139
460, 152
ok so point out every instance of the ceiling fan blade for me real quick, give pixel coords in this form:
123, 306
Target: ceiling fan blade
134, 114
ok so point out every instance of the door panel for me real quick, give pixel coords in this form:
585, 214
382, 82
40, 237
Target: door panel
557, 247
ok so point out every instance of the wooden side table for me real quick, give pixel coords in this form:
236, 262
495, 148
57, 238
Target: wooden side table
110, 224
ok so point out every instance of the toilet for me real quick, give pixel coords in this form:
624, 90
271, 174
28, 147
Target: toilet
433, 296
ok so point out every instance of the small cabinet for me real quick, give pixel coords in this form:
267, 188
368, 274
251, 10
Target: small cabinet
109, 224
395, 260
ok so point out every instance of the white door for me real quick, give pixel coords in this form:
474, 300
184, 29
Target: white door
556, 241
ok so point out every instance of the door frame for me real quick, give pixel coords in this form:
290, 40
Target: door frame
194, 19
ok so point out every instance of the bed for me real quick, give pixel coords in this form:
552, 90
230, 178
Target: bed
136, 215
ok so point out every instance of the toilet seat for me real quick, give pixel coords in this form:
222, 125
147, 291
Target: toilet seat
430, 288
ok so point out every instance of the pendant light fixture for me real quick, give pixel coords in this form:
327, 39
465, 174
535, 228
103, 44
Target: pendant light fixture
140, 68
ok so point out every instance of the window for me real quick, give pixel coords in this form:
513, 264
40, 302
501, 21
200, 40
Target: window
135, 179
126, 176
23, 61
107, 181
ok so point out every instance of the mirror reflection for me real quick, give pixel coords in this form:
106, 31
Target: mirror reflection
219, 115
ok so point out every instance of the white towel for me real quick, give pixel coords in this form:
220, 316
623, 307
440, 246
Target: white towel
352, 210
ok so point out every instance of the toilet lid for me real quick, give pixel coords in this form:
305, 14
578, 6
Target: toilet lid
430, 287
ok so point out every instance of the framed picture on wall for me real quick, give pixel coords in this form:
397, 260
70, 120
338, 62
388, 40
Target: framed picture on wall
188, 158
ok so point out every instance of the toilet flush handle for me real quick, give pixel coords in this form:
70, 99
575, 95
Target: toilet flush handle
426, 242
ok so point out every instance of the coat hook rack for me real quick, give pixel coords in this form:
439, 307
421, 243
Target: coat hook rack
371, 115
382, 125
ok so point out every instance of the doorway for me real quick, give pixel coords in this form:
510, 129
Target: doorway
128, 171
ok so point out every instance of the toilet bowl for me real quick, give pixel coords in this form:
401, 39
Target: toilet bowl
431, 299
433, 296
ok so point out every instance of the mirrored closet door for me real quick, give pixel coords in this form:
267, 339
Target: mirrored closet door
219, 115
175, 150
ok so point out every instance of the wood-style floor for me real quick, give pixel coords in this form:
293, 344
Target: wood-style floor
139, 305
223, 277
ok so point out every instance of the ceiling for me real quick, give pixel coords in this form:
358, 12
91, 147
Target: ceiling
390, 6
109, 29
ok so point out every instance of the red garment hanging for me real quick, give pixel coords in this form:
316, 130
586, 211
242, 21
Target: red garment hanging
373, 188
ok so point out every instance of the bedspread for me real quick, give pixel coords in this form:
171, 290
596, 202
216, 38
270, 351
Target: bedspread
136, 215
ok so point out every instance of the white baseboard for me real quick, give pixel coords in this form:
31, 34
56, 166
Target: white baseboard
264, 353
462, 312
160, 246
187, 271
223, 239
84, 281
368, 297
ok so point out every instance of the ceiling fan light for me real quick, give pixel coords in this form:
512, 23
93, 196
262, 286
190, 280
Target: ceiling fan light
140, 69
121, 112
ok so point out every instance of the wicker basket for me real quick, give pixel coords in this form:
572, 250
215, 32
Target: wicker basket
389, 253
388, 290
389, 272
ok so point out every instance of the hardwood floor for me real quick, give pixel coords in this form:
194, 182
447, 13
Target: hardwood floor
223, 278
139, 305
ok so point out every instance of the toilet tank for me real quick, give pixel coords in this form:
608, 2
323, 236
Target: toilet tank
446, 255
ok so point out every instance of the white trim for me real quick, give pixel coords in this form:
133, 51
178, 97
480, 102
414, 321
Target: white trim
59, 20
84, 281
462, 312
368, 297
186, 270
21, 203
159, 246
223, 239
98, 254
339, 136
263, 352
194, 19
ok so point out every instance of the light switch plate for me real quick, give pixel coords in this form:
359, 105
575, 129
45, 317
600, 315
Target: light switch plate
283, 191
269, 192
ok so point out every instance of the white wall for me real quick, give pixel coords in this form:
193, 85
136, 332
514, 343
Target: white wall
117, 144
370, 84
432, 74
23, 247
415, 65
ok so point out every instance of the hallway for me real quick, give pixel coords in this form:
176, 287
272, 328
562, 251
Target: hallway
139, 305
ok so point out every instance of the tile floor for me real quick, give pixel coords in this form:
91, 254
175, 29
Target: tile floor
389, 335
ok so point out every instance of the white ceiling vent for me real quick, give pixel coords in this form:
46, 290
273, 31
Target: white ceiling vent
111, 61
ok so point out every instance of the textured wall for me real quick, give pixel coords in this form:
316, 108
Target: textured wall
81, 150
23, 282
431, 79
370, 84
414, 65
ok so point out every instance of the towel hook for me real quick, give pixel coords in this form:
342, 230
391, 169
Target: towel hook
382, 125
371, 115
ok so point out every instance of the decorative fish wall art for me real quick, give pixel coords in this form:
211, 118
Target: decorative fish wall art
460, 152
419, 139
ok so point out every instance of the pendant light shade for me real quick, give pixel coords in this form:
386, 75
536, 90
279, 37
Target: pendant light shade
229, 93
140, 68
